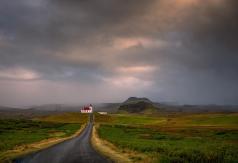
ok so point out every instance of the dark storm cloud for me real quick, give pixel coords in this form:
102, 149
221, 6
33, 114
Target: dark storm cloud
205, 66
36, 33
186, 49
214, 33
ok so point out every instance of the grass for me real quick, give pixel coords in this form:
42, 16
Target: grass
65, 118
176, 138
98, 118
16, 133
19, 132
134, 119
215, 119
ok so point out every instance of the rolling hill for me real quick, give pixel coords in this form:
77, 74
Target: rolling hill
138, 105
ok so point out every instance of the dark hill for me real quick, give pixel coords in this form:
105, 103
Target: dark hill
137, 105
132, 100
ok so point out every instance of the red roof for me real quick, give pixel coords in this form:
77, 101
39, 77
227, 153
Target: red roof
86, 108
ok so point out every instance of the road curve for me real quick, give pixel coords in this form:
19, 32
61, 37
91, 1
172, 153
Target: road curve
76, 150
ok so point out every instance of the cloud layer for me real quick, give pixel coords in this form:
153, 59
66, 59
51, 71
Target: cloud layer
180, 50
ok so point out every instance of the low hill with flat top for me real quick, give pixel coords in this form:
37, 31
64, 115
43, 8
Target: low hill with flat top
138, 105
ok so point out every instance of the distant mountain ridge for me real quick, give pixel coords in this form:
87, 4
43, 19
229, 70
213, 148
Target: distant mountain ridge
131, 105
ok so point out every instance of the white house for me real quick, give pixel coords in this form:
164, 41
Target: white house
87, 109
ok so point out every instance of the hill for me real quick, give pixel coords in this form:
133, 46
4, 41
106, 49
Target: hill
133, 100
138, 105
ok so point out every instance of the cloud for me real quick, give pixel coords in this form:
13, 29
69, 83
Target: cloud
125, 43
180, 50
128, 82
18, 74
136, 69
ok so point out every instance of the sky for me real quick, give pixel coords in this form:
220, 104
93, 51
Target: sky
92, 51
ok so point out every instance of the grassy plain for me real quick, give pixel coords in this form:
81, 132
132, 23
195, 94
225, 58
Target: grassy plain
18, 132
15, 133
196, 138
71, 117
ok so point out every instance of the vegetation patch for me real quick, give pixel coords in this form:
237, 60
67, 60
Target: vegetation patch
14, 133
66, 118
166, 142
211, 119
135, 119
99, 118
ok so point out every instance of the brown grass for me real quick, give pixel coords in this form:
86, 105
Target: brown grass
103, 118
72, 117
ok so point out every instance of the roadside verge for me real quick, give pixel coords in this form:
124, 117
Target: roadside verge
111, 151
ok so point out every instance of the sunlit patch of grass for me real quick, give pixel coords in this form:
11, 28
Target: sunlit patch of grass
66, 118
211, 119
100, 118
133, 119
216, 119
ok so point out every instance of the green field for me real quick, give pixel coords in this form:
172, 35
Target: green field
138, 119
66, 118
176, 138
18, 132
